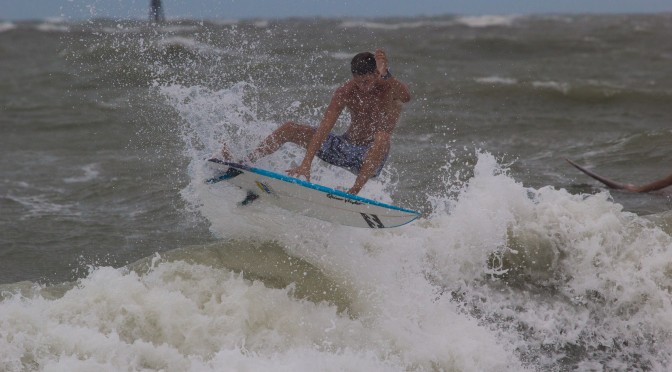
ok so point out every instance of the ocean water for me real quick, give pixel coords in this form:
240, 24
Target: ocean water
115, 255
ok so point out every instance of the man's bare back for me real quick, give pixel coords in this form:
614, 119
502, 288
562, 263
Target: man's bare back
370, 112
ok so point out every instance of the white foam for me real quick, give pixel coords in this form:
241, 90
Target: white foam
43, 205
496, 80
585, 247
52, 27
224, 22
609, 272
393, 26
178, 28
552, 85
121, 29
6, 26
180, 317
189, 44
91, 172
261, 23
487, 20
342, 55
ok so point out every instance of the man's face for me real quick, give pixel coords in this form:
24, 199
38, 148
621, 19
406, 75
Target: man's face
366, 83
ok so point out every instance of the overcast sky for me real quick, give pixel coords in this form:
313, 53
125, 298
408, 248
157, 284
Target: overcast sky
236, 9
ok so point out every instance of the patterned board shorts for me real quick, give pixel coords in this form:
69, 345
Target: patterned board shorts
338, 151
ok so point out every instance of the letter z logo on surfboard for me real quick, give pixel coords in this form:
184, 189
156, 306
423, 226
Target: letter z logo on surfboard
373, 221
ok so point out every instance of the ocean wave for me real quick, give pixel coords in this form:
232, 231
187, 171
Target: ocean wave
342, 55
261, 23
496, 80
586, 91
121, 29
224, 22
188, 44
531, 275
178, 28
541, 277
52, 27
595, 91
37, 206
571, 245
189, 316
6, 26
91, 172
395, 25
487, 20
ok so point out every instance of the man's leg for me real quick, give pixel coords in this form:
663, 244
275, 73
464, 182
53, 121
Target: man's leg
225, 152
372, 160
287, 132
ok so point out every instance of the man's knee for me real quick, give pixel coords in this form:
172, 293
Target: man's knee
293, 127
288, 126
297, 133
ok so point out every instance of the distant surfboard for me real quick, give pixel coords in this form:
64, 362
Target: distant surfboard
604, 180
311, 199
652, 186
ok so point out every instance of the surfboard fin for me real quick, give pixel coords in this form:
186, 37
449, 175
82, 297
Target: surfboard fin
249, 198
230, 173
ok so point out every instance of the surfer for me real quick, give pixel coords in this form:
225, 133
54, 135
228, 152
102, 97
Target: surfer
374, 98
653, 186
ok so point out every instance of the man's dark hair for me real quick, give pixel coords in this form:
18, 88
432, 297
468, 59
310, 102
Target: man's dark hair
363, 63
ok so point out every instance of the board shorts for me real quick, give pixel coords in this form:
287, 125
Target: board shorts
336, 150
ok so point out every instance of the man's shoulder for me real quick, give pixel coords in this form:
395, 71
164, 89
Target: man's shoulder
347, 86
345, 89
342, 95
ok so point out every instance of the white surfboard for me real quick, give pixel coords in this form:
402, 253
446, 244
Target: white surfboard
311, 199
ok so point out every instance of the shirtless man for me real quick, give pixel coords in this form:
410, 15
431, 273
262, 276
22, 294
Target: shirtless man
374, 98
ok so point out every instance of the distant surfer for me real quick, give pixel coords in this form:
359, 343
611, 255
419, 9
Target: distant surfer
155, 11
653, 186
374, 98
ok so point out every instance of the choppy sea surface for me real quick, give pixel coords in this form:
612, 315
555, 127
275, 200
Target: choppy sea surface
115, 255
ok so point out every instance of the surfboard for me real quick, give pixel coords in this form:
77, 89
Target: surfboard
604, 180
657, 185
310, 199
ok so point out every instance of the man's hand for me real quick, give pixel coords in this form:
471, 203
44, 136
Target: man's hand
381, 62
301, 170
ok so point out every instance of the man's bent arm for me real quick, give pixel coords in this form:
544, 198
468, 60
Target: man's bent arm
372, 160
334, 110
400, 90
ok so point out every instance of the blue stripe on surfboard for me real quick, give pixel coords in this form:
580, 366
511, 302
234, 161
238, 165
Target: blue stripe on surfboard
313, 186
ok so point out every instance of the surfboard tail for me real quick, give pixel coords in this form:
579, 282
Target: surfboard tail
230, 173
